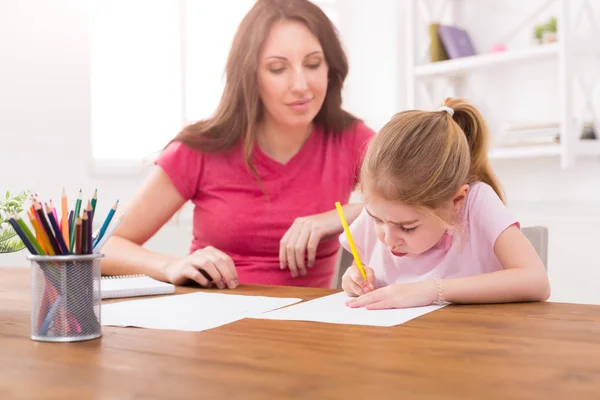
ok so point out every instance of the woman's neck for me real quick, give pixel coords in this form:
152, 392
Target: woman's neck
281, 143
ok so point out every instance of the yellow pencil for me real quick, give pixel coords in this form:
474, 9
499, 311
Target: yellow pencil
359, 265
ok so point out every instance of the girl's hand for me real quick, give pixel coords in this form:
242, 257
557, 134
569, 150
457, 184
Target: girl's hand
398, 296
204, 266
354, 284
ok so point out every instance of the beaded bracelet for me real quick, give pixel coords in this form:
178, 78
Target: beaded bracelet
440, 291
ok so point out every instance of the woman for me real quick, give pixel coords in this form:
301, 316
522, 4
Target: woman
265, 171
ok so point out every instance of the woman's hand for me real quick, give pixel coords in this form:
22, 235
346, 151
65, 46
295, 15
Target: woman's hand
298, 247
354, 284
204, 266
398, 296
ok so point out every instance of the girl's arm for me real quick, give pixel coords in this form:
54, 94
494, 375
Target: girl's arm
523, 278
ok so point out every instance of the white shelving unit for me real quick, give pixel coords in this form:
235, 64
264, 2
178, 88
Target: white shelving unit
465, 65
420, 73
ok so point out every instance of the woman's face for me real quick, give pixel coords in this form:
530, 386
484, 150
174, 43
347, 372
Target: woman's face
292, 75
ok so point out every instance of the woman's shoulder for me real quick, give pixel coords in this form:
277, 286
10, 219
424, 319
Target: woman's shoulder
179, 149
355, 136
358, 129
187, 153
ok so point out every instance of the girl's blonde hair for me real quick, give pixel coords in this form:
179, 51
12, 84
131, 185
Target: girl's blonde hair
422, 158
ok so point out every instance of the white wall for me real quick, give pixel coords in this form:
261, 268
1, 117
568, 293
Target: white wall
45, 128
45, 110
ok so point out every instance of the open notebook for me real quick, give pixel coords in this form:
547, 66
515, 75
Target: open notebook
132, 286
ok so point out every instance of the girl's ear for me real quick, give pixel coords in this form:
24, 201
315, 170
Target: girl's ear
459, 199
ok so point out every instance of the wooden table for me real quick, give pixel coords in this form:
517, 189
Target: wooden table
515, 351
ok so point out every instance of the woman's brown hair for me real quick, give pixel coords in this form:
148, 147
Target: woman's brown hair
240, 108
422, 158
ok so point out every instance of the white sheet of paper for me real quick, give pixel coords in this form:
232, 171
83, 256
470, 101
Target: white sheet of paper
189, 312
332, 309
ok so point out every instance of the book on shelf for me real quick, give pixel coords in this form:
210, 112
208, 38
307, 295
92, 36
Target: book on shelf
528, 142
530, 125
456, 41
588, 131
529, 133
437, 52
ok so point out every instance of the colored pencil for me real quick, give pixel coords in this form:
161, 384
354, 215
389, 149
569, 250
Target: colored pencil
77, 232
94, 201
359, 265
75, 213
111, 213
53, 210
43, 239
65, 226
90, 213
12, 221
30, 235
84, 233
57, 234
47, 229
98, 245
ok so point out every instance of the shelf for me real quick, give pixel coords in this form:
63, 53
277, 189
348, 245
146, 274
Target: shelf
545, 150
588, 147
464, 65
580, 148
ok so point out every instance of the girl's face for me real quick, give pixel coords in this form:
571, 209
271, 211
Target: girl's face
406, 230
292, 74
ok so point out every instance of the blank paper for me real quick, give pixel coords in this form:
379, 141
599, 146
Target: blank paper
332, 309
189, 312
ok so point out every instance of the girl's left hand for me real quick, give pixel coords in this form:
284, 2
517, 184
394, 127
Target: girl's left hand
398, 296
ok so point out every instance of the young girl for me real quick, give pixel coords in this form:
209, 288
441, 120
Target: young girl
434, 229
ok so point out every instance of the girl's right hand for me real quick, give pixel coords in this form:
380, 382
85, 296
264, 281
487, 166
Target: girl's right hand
204, 266
354, 284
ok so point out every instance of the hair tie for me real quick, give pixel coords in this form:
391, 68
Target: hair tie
447, 109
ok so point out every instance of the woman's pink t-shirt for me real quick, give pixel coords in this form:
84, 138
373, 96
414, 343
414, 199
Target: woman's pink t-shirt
470, 252
232, 214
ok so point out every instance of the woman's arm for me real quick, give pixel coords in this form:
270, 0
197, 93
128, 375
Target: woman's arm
150, 208
523, 278
351, 212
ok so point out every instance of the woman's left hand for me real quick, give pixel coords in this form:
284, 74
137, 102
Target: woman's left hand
298, 247
398, 296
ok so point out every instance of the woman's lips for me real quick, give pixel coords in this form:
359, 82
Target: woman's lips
300, 105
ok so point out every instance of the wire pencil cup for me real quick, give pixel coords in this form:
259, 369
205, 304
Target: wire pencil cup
65, 297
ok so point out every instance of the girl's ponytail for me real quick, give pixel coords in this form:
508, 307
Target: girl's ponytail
470, 120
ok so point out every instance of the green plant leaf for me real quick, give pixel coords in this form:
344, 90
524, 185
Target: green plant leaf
11, 246
7, 232
12, 204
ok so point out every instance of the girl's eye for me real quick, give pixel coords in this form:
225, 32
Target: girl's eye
407, 230
313, 65
276, 70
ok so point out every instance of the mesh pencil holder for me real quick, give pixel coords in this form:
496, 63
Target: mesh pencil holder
65, 297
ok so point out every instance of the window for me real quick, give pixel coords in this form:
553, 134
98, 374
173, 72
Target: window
144, 87
135, 77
